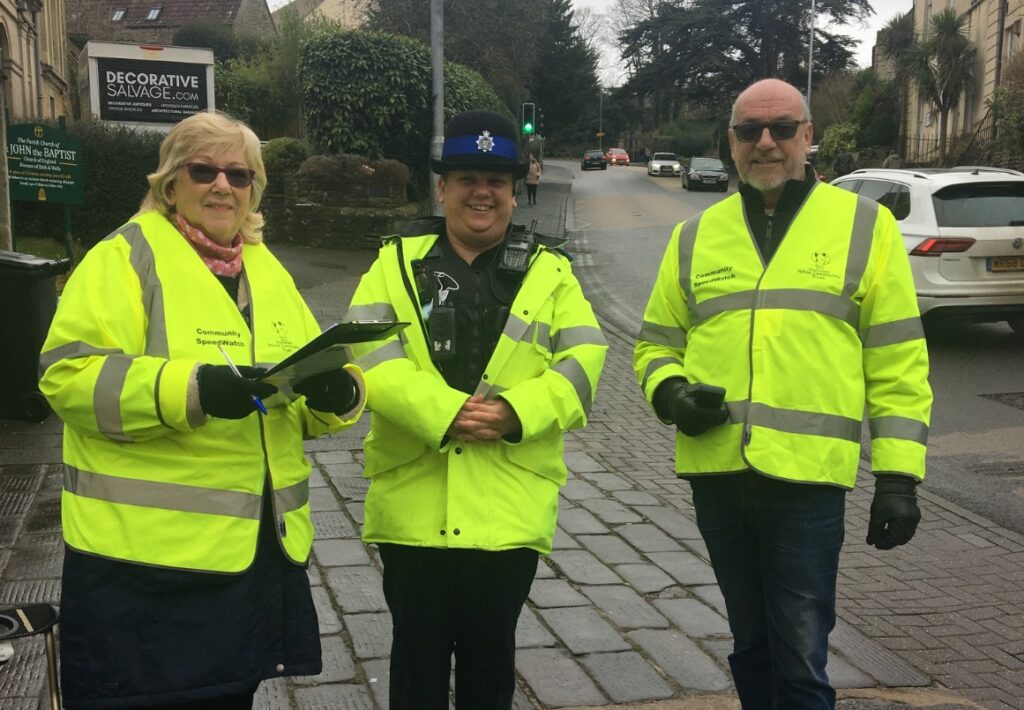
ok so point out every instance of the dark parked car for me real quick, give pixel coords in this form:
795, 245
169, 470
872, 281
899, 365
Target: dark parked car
593, 159
706, 172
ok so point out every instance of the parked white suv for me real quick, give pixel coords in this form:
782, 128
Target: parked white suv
964, 230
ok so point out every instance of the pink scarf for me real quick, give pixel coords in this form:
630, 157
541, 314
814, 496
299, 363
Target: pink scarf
223, 261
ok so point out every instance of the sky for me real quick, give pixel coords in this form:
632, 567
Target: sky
885, 10
611, 74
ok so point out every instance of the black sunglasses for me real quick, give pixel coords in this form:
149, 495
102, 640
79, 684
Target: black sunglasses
204, 174
779, 130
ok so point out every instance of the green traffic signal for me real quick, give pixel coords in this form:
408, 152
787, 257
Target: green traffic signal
528, 128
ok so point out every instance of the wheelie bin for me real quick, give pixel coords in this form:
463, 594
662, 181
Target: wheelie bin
28, 300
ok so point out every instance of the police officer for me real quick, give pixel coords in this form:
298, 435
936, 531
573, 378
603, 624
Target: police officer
778, 314
470, 406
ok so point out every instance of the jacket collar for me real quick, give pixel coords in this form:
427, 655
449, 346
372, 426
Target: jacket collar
793, 194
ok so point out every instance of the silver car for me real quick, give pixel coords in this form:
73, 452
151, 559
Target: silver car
664, 164
964, 231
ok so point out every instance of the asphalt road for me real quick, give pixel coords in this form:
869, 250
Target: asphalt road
620, 222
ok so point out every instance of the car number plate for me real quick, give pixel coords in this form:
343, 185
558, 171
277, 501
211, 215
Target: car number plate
710, 180
1006, 263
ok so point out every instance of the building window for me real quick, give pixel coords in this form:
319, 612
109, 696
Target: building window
118, 15
1011, 40
154, 13
53, 108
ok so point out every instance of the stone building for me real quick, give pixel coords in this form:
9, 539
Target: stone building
156, 21
34, 56
994, 26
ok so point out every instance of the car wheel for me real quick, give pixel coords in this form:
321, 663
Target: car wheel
604, 167
1017, 323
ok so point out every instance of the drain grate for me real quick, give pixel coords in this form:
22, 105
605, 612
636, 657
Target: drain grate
1012, 399
1008, 469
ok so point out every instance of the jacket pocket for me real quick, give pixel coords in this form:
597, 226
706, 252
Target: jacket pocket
542, 456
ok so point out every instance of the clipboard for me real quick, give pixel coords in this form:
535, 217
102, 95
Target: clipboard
327, 352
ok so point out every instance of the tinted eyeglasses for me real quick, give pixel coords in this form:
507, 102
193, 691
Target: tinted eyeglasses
780, 130
204, 174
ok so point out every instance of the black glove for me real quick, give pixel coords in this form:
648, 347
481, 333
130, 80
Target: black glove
694, 408
224, 394
334, 391
894, 511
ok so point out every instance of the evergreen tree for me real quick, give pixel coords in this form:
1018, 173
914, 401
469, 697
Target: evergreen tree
564, 84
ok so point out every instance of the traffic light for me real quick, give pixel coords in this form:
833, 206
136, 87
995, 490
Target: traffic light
529, 119
539, 126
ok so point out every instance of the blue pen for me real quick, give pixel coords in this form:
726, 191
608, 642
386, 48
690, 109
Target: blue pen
227, 359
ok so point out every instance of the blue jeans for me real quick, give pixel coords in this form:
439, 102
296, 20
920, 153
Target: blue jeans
774, 546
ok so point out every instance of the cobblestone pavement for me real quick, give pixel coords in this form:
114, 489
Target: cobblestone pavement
625, 610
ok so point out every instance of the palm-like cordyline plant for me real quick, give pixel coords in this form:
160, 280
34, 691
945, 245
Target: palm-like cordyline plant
943, 65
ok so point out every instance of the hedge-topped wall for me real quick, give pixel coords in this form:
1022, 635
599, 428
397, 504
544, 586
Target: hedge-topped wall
370, 93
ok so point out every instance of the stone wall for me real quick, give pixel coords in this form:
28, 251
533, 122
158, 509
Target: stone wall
355, 217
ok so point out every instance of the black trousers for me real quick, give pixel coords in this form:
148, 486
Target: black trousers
465, 602
531, 193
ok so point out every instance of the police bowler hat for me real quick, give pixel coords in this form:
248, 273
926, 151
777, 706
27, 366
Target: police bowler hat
480, 140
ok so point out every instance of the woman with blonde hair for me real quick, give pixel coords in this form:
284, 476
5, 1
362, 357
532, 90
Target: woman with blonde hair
185, 504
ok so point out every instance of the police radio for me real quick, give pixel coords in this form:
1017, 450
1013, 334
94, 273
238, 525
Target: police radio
515, 253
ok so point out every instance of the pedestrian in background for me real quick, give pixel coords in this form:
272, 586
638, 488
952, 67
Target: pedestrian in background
893, 160
531, 180
763, 354
185, 512
843, 163
469, 412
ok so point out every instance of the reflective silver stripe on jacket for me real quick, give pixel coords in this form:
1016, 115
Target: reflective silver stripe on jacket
180, 497
371, 311
794, 421
898, 428
572, 370
391, 350
106, 396
70, 351
515, 328
861, 236
897, 331
164, 496
574, 336
144, 263
687, 240
655, 365
793, 299
668, 335
291, 498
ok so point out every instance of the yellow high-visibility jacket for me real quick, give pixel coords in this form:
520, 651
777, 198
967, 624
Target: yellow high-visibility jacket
142, 483
800, 345
429, 492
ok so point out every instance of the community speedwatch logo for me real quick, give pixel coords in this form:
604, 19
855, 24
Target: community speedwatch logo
820, 261
282, 339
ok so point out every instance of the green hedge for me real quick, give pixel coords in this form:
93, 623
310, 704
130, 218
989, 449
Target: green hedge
369, 93
116, 161
282, 156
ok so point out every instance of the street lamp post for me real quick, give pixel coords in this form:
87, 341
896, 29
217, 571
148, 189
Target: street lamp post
810, 54
437, 85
